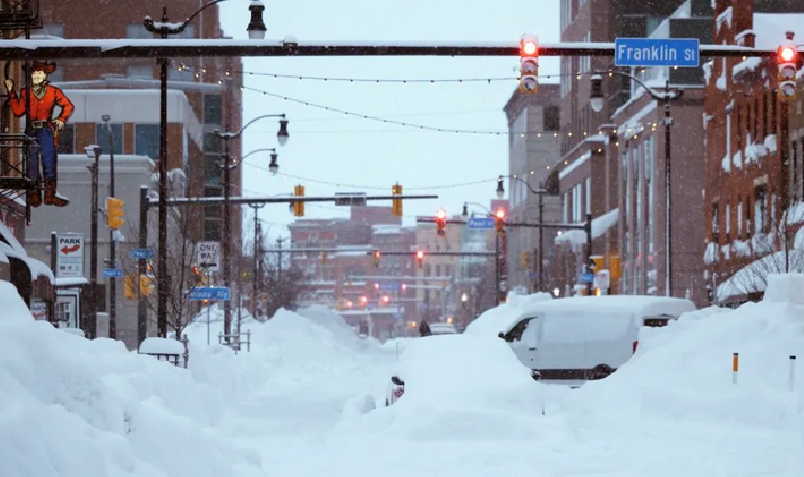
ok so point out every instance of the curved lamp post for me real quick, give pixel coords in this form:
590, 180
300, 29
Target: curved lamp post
596, 102
282, 136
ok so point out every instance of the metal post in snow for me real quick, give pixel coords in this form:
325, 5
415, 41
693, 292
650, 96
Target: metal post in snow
735, 367
792, 379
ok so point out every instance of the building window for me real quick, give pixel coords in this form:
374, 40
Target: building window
588, 193
102, 137
212, 109
67, 139
146, 140
727, 213
550, 120
773, 112
212, 169
212, 143
715, 222
739, 211
760, 209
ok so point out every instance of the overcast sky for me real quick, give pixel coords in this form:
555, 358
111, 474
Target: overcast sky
365, 155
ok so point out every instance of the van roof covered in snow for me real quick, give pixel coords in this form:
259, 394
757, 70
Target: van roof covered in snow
639, 305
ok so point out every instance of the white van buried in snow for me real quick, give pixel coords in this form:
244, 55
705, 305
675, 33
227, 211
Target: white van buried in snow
583, 338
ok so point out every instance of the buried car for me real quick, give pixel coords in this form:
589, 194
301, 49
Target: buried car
584, 338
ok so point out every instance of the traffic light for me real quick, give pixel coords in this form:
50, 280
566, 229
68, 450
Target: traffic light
499, 220
396, 207
363, 300
385, 299
441, 222
420, 258
529, 64
128, 287
114, 213
376, 255
787, 60
146, 285
524, 260
598, 263
297, 206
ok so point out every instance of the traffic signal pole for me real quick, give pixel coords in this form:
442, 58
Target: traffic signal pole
142, 324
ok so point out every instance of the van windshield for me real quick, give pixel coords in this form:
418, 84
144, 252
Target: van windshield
574, 326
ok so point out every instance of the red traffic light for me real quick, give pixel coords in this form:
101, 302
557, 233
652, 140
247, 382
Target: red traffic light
528, 46
787, 54
500, 214
441, 214
363, 299
420, 254
385, 299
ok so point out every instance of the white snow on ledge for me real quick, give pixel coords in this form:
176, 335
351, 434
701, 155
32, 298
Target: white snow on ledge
600, 225
575, 164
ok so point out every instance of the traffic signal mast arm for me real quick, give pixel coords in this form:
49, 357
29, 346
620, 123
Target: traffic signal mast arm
266, 200
130, 48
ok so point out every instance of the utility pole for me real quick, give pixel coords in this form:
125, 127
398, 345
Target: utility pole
92, 327
257, 249
279, 242
112, 243
668, 121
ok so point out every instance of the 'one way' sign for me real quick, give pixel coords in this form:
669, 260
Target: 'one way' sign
207, 255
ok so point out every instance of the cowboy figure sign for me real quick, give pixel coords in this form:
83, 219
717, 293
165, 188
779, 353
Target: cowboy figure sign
44, 128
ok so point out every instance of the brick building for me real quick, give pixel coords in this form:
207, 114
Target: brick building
346, 278
753, 155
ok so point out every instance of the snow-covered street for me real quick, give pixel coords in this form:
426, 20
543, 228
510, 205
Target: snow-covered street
308, 399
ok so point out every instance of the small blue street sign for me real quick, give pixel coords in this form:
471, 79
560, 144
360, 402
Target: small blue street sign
389, 286
587, 277
210, 293
657, 52
141, 253
480, 222
112, 272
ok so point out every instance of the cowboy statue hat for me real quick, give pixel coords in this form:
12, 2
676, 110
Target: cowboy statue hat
43, 66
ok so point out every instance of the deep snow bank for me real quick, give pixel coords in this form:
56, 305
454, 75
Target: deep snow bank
73, 407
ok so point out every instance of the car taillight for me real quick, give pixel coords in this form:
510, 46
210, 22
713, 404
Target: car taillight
634, 347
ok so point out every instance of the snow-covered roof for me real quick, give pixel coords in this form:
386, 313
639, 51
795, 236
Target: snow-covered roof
639, 305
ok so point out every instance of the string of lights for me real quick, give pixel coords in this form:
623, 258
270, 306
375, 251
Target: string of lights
333, 79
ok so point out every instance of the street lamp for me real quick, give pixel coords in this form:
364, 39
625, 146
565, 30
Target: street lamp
256, 30
93, 152
256, 27
226, 136
540, 192
596, 100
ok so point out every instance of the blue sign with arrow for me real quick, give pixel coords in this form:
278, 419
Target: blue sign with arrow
112, 272
657, 52
480, 222
587, 277
210, 293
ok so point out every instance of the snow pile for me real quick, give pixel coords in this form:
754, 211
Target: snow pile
74, 407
